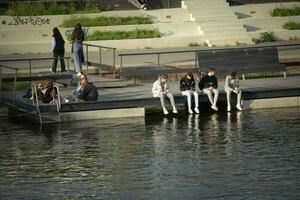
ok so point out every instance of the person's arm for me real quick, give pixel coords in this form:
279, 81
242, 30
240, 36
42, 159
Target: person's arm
215, 82
201, 84
53, 43
182, 85
226, 85
193, 87
155, 89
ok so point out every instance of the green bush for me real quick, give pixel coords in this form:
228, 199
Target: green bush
53, 8
120, 35
282, 11
105, 21
291, 26
265, 37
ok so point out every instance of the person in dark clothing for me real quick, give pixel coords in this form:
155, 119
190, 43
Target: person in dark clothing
209, 84
58, 49
187, 88
88, 91
77, 39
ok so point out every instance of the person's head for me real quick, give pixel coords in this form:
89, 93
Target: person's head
189, 75
232, 74
163, 78
56, 33
211, 71
78, 26
78, 34
40, 86
83, 79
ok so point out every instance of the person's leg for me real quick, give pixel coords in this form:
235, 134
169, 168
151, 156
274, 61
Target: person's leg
216, 96
189, 100
228, 97
163, 104
77, 58
170, 96
239, 99
208, 92
62, 60
55, 59
196, 99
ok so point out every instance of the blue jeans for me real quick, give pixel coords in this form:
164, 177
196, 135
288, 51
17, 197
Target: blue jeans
78, 52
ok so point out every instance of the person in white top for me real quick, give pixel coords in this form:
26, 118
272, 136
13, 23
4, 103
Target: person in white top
232, 85
161, 89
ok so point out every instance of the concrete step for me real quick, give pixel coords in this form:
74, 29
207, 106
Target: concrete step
211, 13
234, 31
221, 28
230, 41
214, 18
228, 35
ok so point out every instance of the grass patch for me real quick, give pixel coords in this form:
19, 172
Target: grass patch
105, 21
53, 8
265, 37
120, 35
194, 44
291, 26
283, 11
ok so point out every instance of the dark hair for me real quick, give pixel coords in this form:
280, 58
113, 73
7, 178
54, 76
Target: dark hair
164, 76
56, 34
233, 73
190, 74
78, 34
211, 69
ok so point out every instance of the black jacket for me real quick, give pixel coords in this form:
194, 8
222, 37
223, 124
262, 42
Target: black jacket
208, 81
88, 93
59, 44
187, 84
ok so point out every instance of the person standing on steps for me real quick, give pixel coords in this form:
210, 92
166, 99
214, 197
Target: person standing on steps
232, 85
209, 84
161, 89
77, 39
187, 88
58, 49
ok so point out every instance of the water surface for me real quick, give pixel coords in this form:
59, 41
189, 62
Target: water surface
243, 155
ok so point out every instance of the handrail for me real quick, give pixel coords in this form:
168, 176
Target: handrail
34, 59
211, 49
100, 54
15, 80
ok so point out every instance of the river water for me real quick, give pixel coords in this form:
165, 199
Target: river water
240, 155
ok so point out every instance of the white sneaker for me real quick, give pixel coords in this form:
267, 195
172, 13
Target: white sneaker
191, 111
197, 110
228, 108
239, 107
214, 107
175, 111
52, 72
78, 74
165, 111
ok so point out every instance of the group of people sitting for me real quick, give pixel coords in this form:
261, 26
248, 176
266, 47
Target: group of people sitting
47, 93
208, 84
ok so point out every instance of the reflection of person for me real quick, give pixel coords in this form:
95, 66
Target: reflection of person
161, 89
77, 48
209, 85
232, 85
187, 87
58, 49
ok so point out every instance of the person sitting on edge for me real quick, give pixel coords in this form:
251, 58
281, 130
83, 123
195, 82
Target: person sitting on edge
187, 88
161, 89
209, 84
87, 90
232, 85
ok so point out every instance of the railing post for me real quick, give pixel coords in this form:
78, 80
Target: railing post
158, 60
100, 55
0, 80
15, 81
68, 66
121, 63
87, 58
29, 67
114, 59
196, 60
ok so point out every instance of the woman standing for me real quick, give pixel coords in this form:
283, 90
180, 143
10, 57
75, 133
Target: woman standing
77, 39
58, 49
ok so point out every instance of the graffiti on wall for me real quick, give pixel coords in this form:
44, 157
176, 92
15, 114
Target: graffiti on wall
3, 35
69, 31
23, 21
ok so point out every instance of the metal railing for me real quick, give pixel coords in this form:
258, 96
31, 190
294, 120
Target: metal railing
30, 60
100, 54
195, 51
35, 101
15, 80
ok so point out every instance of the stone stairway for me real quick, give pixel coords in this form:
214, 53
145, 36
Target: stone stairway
217, 23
